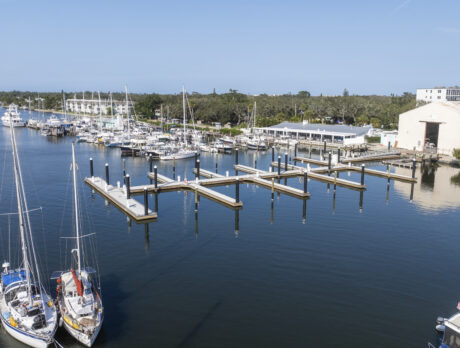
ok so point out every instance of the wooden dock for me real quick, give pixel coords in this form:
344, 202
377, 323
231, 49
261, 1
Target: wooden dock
117, 196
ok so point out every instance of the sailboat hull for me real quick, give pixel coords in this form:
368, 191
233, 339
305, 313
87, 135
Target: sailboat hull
30, 340
82, 337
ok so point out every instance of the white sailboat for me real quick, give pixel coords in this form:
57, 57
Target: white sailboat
78, 295
12, 117
183, 151
27, 312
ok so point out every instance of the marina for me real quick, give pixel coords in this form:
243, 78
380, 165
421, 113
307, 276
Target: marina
193, 222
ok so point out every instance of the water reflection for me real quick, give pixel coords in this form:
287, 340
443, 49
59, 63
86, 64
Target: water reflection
237, 222
435, 190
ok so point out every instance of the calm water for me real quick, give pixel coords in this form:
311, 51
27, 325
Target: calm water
340, 276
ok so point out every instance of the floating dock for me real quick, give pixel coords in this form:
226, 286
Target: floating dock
117, 196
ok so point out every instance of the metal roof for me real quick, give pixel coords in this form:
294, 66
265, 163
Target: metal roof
320, 128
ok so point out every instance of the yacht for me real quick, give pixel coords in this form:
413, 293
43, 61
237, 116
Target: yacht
12, 117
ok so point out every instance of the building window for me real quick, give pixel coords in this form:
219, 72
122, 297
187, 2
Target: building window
439, 91
439, 97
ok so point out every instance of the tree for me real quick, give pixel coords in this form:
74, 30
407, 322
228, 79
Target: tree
345, 93
147, 105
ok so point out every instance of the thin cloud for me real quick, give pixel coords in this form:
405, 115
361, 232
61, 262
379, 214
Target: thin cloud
401, 6
448, 30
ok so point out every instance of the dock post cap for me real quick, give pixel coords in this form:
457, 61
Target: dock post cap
363, 165
106, 164
127, 175
90, 158
145, 188
279, 157
155, 167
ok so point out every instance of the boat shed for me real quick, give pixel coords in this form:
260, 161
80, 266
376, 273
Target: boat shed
434, 127
319, 132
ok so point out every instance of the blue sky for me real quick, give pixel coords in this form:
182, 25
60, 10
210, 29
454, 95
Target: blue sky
368, 47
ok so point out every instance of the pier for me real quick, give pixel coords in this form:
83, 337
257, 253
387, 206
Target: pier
326, 172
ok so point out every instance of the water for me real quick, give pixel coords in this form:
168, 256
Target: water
342, 276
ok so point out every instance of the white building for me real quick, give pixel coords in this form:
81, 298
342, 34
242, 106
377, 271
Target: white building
319, 132
429, 95
388, 137
92, 106
431, 126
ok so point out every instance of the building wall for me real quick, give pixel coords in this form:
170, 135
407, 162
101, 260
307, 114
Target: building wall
390, 137
412, 127
431, 95
437, 94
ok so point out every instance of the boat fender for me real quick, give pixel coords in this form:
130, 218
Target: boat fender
440, 328
13, 322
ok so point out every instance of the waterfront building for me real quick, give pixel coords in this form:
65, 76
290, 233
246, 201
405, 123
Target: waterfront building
432, 127
319, 132
429, 95
93, 106
388, 137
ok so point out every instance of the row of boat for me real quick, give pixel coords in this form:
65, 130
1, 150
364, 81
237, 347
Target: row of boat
28, 312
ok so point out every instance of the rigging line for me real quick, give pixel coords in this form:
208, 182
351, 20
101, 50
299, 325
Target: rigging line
4, 214
24, 201
86, 235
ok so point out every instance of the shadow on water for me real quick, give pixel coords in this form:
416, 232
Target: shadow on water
193, 332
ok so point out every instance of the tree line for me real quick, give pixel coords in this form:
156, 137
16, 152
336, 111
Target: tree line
235, 107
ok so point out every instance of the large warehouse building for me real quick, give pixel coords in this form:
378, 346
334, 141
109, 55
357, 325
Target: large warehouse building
432, 126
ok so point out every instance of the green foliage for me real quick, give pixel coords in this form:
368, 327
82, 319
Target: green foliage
456, 153
147, 104
231, 131
234, 107
373, 139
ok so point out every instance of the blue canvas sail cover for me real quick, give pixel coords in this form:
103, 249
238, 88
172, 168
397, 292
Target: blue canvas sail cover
13, 277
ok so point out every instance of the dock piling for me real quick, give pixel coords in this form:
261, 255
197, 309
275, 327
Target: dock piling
285, 161
198, 169
146, 202
414, 165
279, 165
155, 175
150, 166
273, 154
338, 156
174, 168
273, 189
362, 173
124, 168
295, 150
107, 174
329, 162
236, 156
128, 186
237, 190
91, 168
305, 182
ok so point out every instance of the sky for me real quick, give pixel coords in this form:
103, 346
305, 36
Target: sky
273, 47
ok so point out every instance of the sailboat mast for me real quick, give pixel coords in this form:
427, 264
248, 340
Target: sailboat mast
185, 112
100, 110
20, 212
127, 108
77, 221
255, 113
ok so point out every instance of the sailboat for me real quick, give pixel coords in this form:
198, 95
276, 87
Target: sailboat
78, 295
27, 311
184, 151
